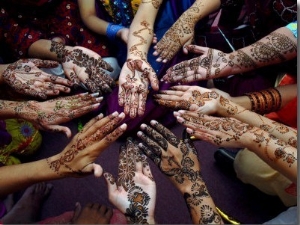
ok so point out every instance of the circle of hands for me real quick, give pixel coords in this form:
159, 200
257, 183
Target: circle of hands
133, 86
83, 66
25, 77
134, 190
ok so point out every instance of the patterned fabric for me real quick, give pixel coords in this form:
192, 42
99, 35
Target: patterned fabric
26, 139
293, 28
23, 25
120, 11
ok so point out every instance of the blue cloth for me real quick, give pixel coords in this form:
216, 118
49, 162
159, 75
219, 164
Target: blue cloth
293, 27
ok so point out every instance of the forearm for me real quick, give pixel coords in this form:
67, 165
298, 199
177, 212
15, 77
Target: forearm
141, 30
277, 47
287, 93
16, 177
43, 49
199, 10
280, 131
276, 153
2, 69
200, 203
18, 110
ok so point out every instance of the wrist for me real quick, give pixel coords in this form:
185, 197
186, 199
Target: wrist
112, 31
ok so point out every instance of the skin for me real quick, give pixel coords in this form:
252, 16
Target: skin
277, 47
76, 160
25, 77
134, 191
92, 213
181, 34
178, 160
190, 98
230, 132
49, 114
80, 64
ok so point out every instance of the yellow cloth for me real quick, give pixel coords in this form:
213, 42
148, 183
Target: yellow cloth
253, 170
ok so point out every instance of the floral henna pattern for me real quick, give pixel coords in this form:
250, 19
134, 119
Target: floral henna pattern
30, 73
98, 80
137, 212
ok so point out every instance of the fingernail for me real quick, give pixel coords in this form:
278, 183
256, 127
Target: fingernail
139, 133
180, 119
143, 126
115, 114
153, 122
123, 126
95, 94
99, 99
121, 114
176, 114
189, 130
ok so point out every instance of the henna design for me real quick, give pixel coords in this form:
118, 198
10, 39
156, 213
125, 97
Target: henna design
277, 46
209, 216
156, 3
137, 211
59, 49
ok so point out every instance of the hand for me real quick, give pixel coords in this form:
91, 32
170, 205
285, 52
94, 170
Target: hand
25, 77
133, 86
134, 193
178, 36
83, 65
211, 64
78, 157
47, 115
225, 132
175, 158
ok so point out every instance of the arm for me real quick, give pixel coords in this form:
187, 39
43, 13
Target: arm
137, 73
49, 114
229, 132
76, 160
181, 33
277, 47
92, 21
178, 160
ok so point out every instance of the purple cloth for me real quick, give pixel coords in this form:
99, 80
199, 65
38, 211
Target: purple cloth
5, 137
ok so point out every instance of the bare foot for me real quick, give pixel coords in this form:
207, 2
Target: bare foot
92, 213
27, 209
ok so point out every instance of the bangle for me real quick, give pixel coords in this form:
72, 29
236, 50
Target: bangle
112, 30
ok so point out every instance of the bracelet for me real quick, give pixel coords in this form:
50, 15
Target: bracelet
112, 30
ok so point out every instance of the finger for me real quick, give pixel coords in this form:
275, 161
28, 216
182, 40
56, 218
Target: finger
147, 171
93, 167
92, 122
44, 63
153, 80
111, 137
61, 88
105, 65
58, 128
156, 136
72, 76
82, 110
92, 86
56, 79
111, 184
197, 49
127, 102
151, 154
153, 146
170, 137
142, 98
134, 103
104, 125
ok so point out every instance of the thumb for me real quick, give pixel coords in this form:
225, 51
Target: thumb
153, 81
110, 181
197, 49
185, 46
58, 128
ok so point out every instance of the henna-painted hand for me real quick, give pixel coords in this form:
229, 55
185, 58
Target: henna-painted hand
178, 160
211, 64
133, 86
83, 65
221, 131
175, 158
178, 36
78, 157
25, 77
134, 193
48, 114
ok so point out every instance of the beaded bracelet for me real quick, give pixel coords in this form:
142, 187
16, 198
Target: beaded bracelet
112, 30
